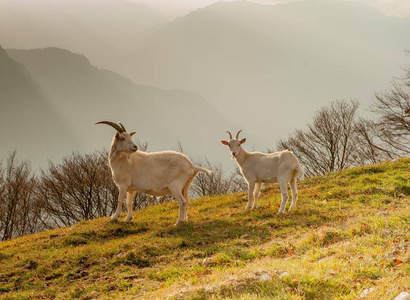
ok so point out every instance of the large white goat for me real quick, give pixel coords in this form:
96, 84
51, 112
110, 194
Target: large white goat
157, 173
257, 168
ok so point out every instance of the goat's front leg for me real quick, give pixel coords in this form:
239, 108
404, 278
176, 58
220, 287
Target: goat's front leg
130, 197
256, 194
251, 187
121, 196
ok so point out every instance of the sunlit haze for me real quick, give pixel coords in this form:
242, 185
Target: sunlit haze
398, 8
181, 73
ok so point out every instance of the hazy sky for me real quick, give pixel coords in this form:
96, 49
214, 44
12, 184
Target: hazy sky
286, 73
389, 7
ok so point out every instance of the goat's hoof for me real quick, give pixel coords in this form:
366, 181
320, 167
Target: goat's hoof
280, 213
179, 222
247, 208
128, 219
113, 220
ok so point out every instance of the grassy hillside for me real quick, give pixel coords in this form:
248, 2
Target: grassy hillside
348, 236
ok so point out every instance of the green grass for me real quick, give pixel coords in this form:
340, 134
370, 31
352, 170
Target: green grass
349, 232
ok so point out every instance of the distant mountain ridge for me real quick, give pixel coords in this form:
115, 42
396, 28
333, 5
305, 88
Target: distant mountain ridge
27, 118
289, 58
96, 28
85, 95
267, 68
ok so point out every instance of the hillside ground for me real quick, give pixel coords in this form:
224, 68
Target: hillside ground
349, 237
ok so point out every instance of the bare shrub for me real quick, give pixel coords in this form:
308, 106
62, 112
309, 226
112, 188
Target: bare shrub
216, 183
79, 188
368, 144
19, 210
392, 125
387, 135
328, 143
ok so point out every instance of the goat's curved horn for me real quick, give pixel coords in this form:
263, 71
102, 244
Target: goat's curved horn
122, 126
230, 135
237, 135
112, 124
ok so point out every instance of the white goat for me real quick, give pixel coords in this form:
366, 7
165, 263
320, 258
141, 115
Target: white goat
257, 168
156, 173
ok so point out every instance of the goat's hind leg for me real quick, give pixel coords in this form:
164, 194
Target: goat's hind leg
177, 193
185, 194
284, 191
294, 191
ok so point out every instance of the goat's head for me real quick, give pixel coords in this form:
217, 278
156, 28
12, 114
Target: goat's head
122, 141
234, 144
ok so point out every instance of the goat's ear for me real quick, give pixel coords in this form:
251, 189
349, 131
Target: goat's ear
132, 133
243, 140
224, 142
117, 135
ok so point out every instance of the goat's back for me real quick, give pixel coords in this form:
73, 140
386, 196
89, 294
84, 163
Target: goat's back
162, 161
267, 166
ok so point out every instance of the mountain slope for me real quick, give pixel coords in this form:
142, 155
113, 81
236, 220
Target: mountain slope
27, 118
86, 94
348, 234
256, 62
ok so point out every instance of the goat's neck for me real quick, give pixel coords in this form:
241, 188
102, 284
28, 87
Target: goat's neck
117, 158
241, 156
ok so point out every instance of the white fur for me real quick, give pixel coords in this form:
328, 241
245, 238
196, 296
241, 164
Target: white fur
257, 168
156, 173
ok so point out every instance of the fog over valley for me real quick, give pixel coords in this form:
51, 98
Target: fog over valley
181, 75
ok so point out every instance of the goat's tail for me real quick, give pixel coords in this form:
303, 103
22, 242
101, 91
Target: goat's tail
299, 171
199, 169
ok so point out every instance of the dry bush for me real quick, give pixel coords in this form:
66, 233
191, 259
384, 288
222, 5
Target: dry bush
79, 188
392, 108
328, 144
19, 210
387, 135
216, 183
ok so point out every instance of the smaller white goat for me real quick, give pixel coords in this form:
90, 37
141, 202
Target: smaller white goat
157, 173
257, 168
